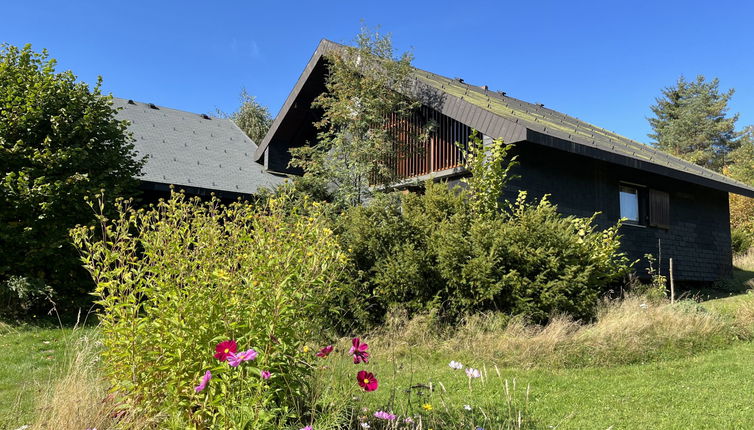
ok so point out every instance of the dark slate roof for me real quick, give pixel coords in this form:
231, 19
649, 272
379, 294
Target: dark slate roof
519, 122
193, 150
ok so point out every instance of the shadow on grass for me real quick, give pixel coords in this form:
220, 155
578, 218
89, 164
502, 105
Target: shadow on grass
740, 283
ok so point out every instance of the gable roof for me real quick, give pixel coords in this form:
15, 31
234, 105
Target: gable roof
516, 121
193, 150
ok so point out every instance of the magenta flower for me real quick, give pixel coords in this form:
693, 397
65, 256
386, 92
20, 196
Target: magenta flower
265, 374
324, 352
224, 349
205, 379
384, 415
235, 359
306, 428
366, 380
359, 351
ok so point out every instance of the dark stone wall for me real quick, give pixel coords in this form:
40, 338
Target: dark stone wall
698, 239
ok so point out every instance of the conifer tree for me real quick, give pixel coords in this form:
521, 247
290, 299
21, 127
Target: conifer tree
692, 122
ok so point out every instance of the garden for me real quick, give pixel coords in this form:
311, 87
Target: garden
336, 301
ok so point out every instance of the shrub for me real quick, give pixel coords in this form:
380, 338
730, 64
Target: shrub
430, 250
60, 141
177, 279
741, 240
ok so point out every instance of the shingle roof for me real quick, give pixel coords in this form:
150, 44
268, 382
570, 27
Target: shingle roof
192, 150
516, 121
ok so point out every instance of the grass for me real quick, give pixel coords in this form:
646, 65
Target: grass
710, 390
640, 365
31, 356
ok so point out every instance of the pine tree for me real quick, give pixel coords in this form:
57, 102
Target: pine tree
691, 122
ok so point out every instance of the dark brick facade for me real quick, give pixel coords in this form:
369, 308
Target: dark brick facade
698, 239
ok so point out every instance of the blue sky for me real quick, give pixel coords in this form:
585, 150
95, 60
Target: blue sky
601, 61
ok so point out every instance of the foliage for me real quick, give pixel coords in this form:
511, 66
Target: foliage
176, 279
363, 109
741, 161
691, 122
490, 171
59, 142
656, 288
431, 251
19, 294
252, 118
741, 240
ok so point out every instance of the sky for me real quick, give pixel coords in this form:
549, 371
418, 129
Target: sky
601, 61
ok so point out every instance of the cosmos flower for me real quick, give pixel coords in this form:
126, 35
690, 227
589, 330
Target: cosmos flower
265, 374
359, 351
224, 349
306, 428
384, 415
455, 365
203, 384
366, 380
473, 373
324, 352
235, 359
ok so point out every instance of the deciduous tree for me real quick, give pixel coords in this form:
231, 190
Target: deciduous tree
59, 142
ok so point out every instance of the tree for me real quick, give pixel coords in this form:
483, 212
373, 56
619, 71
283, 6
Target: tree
691, 122
741, 167
365, 110
59, 143
251, 117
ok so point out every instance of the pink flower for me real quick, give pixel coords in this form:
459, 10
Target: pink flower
235, 359
224, 349
366, 380
324, 352
306, 428
203, 384
473, 373
265, 374
359, 351
384, 415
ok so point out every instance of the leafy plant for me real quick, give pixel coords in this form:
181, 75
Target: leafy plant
364, 112
177, 279
59, 142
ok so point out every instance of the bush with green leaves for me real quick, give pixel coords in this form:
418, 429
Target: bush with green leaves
175, 280
431, 251
741, 240
59, 141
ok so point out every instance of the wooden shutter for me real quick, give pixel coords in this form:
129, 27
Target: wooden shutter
659, 209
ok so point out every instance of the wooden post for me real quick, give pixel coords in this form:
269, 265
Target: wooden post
672, 285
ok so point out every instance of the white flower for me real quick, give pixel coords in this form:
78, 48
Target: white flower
473, 373
365, 425
467, 407
455, 365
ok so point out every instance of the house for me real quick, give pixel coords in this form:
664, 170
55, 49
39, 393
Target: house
674, 208
193, 152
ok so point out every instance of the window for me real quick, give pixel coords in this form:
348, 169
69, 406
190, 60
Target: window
629, 203
644, 206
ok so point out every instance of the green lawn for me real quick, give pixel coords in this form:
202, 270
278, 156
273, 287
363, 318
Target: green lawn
30, 358
709, 390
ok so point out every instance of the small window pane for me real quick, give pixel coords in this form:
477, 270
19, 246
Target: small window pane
629, 203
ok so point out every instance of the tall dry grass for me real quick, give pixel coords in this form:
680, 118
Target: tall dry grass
79, 400
625, 331
745, 261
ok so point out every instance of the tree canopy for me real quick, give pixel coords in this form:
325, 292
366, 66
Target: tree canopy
252, 117
59, 143
364, 102
691, 122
